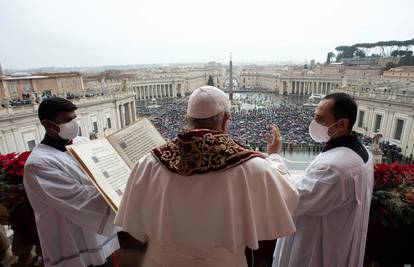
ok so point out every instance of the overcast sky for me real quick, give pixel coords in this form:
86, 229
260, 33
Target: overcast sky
40, 33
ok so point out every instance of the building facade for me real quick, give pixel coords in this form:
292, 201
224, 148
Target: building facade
158, 82
405, 73
288, 82
385, 108
102, 115
24, 86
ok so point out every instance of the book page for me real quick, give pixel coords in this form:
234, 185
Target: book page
105, 167
133, 142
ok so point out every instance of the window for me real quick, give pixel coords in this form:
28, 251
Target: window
398, 129
377, 126
361, 118
95, 126
31, 144
12, 88
27, 88
108, 123
80, 131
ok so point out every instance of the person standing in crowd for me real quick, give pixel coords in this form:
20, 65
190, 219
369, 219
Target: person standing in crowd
201, 199
74, 223
335, 194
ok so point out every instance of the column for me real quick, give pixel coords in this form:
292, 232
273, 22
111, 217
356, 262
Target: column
134, 105
173, 89
289, 89
122, 115
132, 111
302, 87
127, 116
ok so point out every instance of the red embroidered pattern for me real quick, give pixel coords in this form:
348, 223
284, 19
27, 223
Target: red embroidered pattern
201, 151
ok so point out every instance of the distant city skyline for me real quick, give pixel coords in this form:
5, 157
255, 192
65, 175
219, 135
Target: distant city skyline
48, 33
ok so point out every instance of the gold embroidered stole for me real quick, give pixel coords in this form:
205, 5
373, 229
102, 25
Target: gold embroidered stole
201, 151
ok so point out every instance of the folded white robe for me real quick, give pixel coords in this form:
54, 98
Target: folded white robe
74, 223
208, 219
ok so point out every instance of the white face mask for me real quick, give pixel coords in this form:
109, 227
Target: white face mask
318, 132
69, 130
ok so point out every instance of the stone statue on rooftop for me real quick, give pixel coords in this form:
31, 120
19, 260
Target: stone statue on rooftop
376, 149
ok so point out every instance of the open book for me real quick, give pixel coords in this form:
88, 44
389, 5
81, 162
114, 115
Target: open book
109, 161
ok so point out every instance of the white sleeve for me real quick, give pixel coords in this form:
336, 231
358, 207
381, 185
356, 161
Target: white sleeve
322, 190
129, 215
82, 204
273, 199
279, 166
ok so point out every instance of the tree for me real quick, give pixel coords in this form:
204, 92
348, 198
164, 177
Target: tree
359, 53
395, 53
385, 48
339, 58
401, 53
389, 65
210, 80
329, 57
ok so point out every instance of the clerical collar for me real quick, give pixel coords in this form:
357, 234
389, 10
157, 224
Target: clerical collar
350, 141
55, 143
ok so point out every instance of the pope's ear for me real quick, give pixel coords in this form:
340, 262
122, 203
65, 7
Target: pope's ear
226, 116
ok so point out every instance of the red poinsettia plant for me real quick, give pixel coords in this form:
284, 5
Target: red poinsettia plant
12, 193
393, 196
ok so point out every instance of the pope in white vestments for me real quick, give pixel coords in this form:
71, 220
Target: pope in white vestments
335, 194
201, 199
74, 223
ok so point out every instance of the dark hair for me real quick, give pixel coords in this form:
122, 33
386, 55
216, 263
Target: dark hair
50, 108
344, 107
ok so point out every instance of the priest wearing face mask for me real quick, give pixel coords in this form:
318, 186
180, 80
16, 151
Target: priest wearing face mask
335, 194
74, 223
201, 199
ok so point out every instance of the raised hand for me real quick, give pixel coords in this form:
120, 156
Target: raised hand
274, 140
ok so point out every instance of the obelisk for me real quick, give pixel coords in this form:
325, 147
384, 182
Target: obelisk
231, 80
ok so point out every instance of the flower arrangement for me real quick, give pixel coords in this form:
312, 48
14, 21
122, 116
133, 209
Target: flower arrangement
393, 196
13, 197
12, 193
